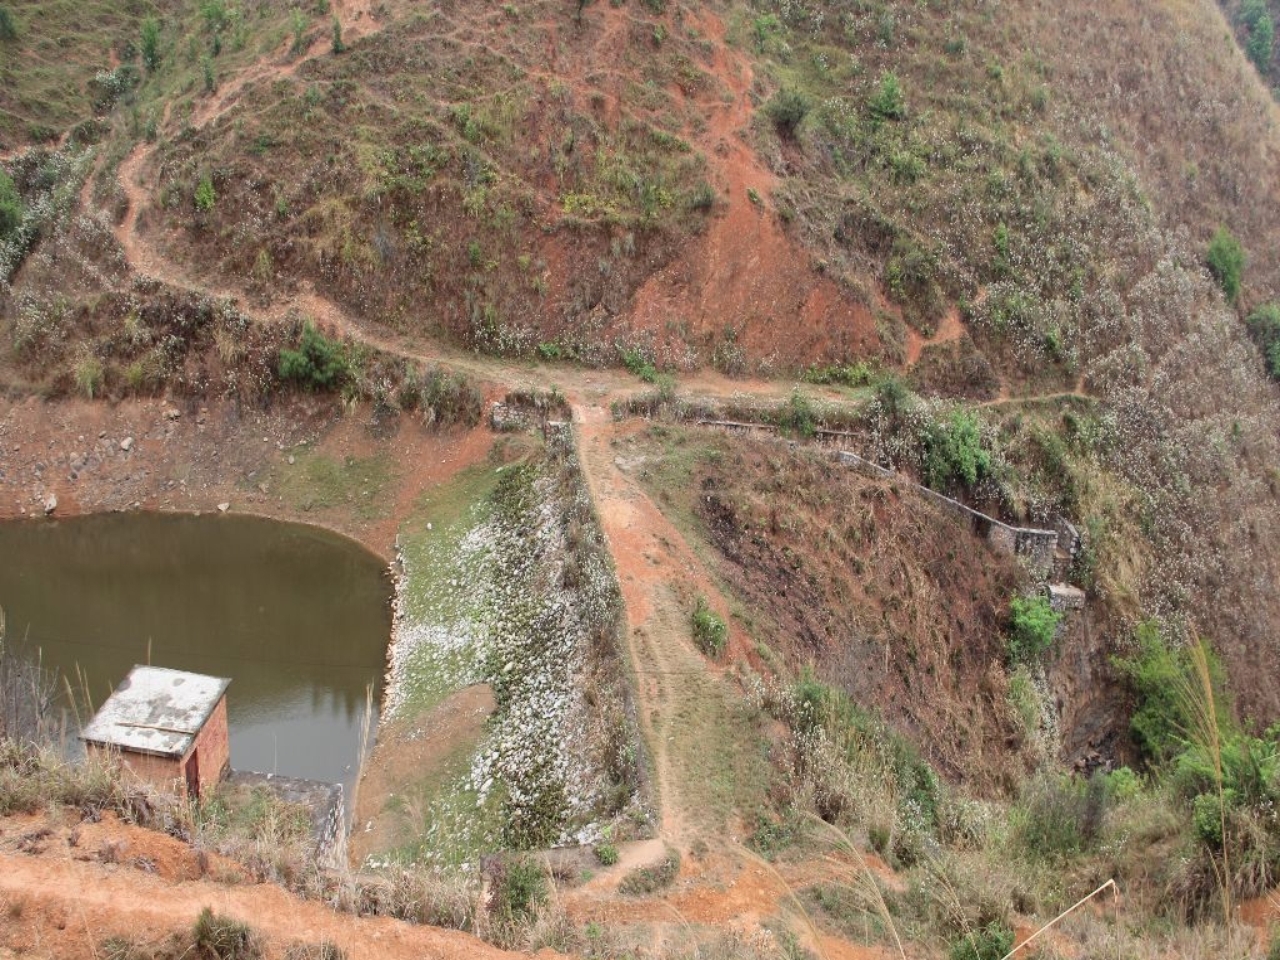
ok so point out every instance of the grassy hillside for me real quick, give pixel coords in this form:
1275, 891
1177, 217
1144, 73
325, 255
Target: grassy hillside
54, 57
1035, 168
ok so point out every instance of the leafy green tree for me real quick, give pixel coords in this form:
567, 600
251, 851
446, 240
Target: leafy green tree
953, 452
338, 45
1225, 260
10, 207
151, 43
1032, 625
1262, 40
1261, 27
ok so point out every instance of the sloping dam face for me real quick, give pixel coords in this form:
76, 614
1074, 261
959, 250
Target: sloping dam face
296, 616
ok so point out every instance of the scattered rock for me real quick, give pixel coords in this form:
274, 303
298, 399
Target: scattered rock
126, 444
224, 507
50, 504
173, 413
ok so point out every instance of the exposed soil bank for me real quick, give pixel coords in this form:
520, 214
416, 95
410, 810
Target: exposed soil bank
300, 460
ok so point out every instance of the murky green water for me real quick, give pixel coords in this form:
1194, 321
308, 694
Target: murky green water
298, 617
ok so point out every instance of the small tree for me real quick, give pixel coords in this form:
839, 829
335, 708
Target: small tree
298, 23
318, 364
151, 43
205, 196
338, 45
787, 108
889, 102
10, 207
1225, 260
1264, 326
1032, 625
953, 452
8, 26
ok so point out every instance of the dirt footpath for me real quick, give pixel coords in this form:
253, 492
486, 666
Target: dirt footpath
66, 885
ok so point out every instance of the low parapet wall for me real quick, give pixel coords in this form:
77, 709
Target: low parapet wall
1034, 547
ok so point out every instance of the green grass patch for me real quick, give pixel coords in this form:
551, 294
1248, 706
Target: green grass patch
318, 481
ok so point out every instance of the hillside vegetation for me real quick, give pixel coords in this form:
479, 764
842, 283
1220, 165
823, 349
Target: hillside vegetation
1022, 253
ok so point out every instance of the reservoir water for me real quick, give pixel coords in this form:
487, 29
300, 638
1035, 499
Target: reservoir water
298, 618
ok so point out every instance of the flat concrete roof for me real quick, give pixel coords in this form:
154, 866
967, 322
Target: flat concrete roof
156, 710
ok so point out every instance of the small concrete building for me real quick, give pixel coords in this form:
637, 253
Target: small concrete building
168, 727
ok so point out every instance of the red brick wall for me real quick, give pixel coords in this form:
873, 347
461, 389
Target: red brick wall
163, 773
213, 743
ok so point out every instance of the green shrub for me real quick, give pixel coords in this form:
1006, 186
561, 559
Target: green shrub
1158, 674
787, 109
606, 854
221, 938
151, 43
1264, 327
338, 45
710, 632
651, 879
1032, 624
888, 102
519, 886
1225, 260
797, 416
318, 364
205, 197
1208, 816
992, 942
10, 207
8, 26
843, 374
953, 452
639, 364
